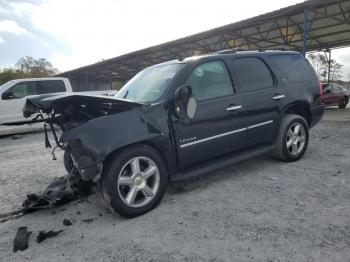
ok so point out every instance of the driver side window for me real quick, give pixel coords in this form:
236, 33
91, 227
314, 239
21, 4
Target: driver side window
21, 90
210, 80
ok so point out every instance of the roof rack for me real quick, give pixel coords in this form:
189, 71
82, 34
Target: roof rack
235, 50
273, 49
230, 51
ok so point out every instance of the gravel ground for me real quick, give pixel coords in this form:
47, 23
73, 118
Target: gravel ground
257, 210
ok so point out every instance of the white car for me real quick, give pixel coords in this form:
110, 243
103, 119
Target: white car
14, 93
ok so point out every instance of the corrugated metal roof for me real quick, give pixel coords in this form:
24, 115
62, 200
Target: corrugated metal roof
328, 23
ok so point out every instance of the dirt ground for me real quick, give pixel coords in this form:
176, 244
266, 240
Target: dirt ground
257, 210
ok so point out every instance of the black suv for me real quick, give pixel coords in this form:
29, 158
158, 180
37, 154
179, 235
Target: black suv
184, 118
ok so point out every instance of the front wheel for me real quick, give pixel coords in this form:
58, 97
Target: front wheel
134, 181
292, 139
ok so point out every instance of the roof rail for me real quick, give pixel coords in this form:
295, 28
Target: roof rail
273, 49
235, 50
230, 51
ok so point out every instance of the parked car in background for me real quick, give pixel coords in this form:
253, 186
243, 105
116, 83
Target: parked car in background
335, 95
14, 93
180, 119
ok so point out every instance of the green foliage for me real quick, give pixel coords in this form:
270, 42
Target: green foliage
320, 64
28, 67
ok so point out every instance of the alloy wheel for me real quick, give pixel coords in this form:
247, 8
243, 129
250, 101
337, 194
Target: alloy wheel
295, 140
138, 181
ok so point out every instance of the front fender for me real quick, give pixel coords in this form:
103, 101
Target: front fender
98, 138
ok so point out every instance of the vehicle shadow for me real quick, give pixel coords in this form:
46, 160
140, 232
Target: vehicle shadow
231, 173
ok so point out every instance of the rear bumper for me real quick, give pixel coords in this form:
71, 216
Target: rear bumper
316, 115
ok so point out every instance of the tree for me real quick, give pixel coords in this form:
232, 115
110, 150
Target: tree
28, 67
320, 64
35, 67
8, 74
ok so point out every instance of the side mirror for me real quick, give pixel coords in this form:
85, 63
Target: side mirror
185, 103
7, 95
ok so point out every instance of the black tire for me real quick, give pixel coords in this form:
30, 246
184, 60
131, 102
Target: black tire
67, 161
108, 187
282, 152
344, 104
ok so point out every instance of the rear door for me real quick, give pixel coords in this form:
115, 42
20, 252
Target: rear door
260, 98
328, 98
216, 128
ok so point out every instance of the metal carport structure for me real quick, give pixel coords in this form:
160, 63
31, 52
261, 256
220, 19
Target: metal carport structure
312, 25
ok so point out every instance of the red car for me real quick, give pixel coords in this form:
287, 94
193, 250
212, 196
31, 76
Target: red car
335, 95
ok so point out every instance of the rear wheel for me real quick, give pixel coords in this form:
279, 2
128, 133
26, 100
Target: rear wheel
293, 138
134, 181
344, 104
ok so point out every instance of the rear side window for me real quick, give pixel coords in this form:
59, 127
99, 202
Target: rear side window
294, 67
251, 74
50, 86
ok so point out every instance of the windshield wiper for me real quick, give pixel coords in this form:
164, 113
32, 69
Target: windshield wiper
126, 94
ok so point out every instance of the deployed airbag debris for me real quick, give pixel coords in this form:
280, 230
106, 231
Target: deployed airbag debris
61, 191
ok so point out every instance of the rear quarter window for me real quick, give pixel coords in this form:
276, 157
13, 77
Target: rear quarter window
294, 67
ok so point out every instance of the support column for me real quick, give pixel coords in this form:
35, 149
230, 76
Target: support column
305, 30
220, 42
329, 62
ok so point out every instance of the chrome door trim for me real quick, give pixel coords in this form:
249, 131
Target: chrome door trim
225, 134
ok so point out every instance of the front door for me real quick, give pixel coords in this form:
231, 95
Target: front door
216, 129
13, 100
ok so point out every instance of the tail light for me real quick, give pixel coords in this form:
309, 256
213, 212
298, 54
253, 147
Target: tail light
320, 88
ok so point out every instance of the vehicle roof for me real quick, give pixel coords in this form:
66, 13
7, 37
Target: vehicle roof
226, 53
38, 79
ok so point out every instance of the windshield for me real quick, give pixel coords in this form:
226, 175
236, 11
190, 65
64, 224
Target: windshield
150, 84
7, 84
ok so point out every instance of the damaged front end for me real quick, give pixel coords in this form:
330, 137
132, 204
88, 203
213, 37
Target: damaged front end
69, 119
67, 112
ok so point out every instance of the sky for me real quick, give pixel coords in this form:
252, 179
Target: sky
74, 33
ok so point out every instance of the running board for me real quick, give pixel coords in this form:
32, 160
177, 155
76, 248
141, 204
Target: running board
205, 168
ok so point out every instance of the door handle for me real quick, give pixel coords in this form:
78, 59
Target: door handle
278, 97
233, 108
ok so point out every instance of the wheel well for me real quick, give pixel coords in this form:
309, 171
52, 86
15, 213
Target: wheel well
112, 154
300, 109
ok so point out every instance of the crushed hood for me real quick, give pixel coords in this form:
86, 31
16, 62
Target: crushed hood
90, 106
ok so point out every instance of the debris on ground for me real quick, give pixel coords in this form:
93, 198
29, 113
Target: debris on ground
21, 239
88, 220
44, 235
11, 215
66, 222
61, 191
17, 136
337, 173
